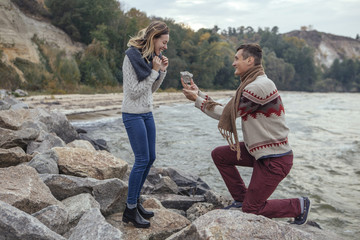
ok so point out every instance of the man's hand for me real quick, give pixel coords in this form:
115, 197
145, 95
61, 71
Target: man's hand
190, 91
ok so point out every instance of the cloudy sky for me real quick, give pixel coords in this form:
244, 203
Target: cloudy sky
339, 17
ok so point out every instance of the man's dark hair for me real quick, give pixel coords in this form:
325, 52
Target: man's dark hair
253, 50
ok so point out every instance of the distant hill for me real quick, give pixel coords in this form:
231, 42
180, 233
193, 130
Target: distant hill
329, 47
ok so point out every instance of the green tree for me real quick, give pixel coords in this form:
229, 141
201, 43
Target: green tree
80, 17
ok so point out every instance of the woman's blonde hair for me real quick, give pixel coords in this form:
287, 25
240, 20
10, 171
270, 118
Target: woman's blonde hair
144, 40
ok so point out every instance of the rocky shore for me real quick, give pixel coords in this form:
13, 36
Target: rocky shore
57, 183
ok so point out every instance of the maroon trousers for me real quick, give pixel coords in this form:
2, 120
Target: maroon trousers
267, 174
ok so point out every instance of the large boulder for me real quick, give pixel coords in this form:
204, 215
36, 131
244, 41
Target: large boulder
46, 162
43, 144
55, 122
22, 188
233, 224
18, 225
110, 193
77, 205
188, 184
17, 138
54, 217
92, 225
13, 156
86, 163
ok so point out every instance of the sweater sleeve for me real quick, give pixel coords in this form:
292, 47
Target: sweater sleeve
157, 83
246, 106
136, 88
201, 102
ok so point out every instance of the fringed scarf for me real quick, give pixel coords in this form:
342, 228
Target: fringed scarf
227, 123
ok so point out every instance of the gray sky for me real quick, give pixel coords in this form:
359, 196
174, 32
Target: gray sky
339, 17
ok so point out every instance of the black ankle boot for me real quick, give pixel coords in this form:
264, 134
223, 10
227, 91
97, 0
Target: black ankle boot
143, 212
132, 215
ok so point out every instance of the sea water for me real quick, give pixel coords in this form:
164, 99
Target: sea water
324, 135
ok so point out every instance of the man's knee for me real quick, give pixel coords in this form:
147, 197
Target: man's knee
215, 154
247, 208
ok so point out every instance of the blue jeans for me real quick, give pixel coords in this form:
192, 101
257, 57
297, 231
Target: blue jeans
142, 134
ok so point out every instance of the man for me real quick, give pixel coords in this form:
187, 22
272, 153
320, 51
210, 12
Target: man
265, 147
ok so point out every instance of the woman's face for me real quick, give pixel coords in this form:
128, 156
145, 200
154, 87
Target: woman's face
161, 43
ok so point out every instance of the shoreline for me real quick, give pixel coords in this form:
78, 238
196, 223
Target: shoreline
80, 107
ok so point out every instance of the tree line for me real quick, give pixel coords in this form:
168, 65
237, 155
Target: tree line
105, 29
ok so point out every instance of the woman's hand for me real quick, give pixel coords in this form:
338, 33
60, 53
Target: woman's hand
190, 91
164, 63
156, 63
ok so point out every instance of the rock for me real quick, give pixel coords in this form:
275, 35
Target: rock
178, 201
9, 119
92, 225
188, 184
77, 205
13, 157
16, 224
99, 144
4, 105
162, 225
54, 121
45, 162
166, 185
217, 200
22, 188
110, 194
221, 224
81, 144
198, 209
152, 203
84, 163
55, 218
20, 138
49, 141
21, 93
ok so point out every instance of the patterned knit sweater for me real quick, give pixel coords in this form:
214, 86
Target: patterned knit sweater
262, 118
138, 95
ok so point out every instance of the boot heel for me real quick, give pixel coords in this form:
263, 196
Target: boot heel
125, 219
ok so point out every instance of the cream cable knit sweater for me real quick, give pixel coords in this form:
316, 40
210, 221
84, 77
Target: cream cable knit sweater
138, 95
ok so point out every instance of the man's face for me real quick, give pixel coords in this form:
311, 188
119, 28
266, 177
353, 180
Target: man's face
241, 65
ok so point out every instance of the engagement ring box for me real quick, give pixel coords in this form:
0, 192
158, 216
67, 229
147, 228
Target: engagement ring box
186, 76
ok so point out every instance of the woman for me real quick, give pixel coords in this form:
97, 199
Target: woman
144, 69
